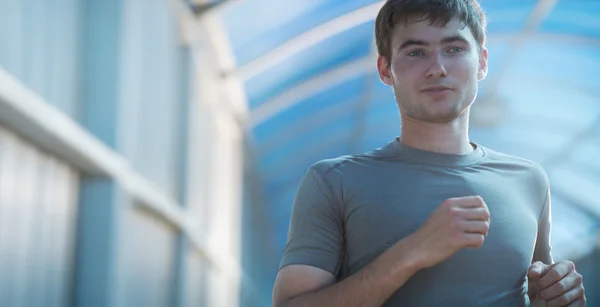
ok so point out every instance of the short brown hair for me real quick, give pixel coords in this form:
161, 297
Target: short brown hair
438, 12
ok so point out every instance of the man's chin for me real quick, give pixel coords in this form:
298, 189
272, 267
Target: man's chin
438, 113
441, 117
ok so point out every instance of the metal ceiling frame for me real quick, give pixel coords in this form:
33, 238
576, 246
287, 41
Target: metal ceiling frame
308, 123
561, 157
328, 79
330, 141
363, 105
291, 96
305, 40
348, 21
192, 22
365, 65
200, 8
325, 31
541, 10
311, 123
342, 73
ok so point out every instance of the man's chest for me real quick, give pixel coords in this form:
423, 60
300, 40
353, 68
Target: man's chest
381, 214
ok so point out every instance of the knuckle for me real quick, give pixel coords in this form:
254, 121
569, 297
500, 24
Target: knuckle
453, 211
543, 294
562, 301
457, 222
561, 287
581, 292
554, 275
480, 200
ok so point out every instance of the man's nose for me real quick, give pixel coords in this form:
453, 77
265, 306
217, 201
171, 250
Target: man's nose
436, 67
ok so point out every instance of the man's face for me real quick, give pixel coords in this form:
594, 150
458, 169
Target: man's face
433, 70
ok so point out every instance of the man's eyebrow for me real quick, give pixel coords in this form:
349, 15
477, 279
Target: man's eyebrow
454, 38
411, 42
445, 40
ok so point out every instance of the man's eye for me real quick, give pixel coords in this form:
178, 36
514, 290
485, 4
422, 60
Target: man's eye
455, 49
416, 53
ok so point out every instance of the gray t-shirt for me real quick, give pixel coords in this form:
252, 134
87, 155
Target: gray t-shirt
351, 209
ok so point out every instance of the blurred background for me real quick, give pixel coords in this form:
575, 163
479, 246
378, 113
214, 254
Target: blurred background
150, 150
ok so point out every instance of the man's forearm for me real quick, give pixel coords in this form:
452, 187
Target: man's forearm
371, 286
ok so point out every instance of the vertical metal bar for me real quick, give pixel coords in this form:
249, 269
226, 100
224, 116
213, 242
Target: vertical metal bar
185, 116
7, 183
96, 243
96, 277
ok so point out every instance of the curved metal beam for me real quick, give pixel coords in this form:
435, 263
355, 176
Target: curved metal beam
317, 84
345, 137
309, 123
330, 141
305, 40
563, 179
539, 13
347, 108
567, 151
201, 8
532, 23
347, 71
365, 100
341, 24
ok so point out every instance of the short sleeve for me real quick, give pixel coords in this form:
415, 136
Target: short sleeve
315, 234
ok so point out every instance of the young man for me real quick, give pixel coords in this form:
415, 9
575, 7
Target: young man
430, 219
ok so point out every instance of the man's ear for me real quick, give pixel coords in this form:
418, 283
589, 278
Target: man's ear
385, 73
483, 64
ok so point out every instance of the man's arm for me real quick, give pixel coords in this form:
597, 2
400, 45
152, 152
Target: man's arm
456, 224
302, 285
543, 248
543, 251
552, 284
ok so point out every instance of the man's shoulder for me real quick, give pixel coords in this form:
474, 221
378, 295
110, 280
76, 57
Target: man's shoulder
505, 160
498, 156
343, 164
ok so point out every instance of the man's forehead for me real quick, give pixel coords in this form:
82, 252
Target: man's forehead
424, 29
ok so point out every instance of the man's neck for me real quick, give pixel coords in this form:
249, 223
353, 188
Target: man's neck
447, 138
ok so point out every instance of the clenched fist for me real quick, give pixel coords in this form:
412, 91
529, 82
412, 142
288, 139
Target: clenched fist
457, 223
